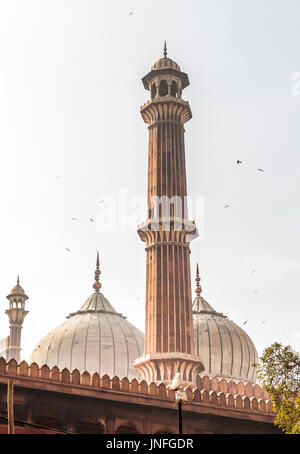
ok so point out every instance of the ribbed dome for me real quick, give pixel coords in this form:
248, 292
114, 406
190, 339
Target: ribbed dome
17, 290
96, 338
226, 350
164, 63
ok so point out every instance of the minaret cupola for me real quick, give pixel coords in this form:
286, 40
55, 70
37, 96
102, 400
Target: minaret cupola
165, 78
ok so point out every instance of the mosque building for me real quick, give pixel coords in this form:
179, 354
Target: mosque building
96, 372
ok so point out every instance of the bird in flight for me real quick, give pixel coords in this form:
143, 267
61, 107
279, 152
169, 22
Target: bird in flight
68, 249
253, 271
245, 322
238, 162
226, 206
255, 291
261, 170
101, 201
73, 219
92, 220
130, 14
264, 321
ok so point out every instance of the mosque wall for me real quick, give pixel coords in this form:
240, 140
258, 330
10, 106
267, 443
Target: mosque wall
67, 401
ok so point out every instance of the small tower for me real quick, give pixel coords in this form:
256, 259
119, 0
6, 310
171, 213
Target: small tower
16, 314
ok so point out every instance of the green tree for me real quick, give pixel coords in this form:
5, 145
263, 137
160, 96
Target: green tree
278, 371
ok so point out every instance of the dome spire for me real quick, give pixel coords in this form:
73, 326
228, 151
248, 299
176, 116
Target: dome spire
97, 284
165, 50
198, 289
18, 280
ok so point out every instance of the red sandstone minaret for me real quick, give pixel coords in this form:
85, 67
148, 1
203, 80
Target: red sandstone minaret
169, 340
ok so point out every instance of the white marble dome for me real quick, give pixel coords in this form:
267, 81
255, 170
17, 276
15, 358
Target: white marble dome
96, 338
226, 350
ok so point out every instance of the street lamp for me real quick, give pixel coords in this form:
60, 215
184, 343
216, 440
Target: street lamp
180, 397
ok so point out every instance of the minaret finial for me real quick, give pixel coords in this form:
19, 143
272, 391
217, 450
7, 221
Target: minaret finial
165, 50
18, 280
198, 289
97, 284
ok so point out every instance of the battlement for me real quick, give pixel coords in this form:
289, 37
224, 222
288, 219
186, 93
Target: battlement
211, 392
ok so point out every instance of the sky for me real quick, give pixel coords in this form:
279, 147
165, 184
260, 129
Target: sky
72, 136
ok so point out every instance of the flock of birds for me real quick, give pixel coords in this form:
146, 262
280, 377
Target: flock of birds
226, 206
75, 219
239, 163
253, 271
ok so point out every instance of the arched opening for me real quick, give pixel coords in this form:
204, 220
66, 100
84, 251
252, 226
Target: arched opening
174, 89
163, 88
89, 426
153, 91
126, 429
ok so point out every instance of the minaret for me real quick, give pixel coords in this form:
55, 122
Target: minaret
169, 340
16, 314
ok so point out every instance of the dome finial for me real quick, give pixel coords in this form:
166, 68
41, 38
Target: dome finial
97, 284
165, 50
198, 289
18, 280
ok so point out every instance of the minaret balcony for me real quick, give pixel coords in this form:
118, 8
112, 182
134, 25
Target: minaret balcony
162, 367
166, 108
168, 230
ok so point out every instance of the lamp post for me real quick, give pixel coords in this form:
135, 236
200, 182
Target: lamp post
10, 406
180, 397
180, 417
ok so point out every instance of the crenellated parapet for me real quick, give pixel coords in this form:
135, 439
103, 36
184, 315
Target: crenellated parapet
213, 392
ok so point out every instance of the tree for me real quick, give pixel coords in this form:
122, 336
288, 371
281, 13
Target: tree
278, 371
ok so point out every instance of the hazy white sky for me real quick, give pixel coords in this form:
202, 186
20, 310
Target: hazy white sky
70, 93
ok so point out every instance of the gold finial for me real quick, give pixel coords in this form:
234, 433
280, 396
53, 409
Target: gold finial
97, 284
198, 289
165, 50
